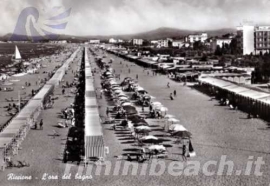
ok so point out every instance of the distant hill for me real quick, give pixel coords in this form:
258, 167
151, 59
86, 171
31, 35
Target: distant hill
160, 33
164, 32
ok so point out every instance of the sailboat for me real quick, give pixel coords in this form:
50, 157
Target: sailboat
17, 55
17, 59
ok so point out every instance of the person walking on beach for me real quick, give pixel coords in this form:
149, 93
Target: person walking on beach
41, 124
168, 84
137, 77
63, 91
174, 93
184, 153
171, 96
101, 94
35, 126
107, 111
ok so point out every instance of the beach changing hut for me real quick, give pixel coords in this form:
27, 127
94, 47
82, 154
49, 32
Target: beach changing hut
94, 142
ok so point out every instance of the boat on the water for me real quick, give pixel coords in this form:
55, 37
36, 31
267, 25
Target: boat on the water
17, 55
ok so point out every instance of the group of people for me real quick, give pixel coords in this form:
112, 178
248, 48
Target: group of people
40, 125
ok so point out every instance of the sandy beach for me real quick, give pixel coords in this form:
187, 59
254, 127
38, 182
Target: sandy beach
216, 132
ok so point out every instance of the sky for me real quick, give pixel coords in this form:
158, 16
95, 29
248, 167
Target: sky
113, 17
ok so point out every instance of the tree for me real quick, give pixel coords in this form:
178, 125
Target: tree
218, 51
197, 45
233, 46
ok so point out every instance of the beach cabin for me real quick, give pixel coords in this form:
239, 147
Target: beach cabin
93, 141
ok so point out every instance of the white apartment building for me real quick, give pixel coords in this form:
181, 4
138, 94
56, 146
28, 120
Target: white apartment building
112, 40
137, 41
219, 42
197, 37
253, 39
177, 43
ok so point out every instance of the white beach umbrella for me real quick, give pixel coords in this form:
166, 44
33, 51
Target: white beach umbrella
177, 127
126, 104
123, 98
168, 116
118, 91
157, 147
173, 120
156, 103
149, 137
143, 128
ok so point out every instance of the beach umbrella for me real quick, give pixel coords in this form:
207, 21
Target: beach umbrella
123, 98
142, 129
113, 83
179, 131
117, 88
150, 139
157, 147
142, 91
156, 103
157, 107
130, 109
121, 93
182, 134
136, 119
164, 110
118, 91
177, 127
168, 116
173, 120
139, 88
127, 78
126, 104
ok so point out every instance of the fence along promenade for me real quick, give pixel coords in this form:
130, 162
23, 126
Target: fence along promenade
16, 130
94, 141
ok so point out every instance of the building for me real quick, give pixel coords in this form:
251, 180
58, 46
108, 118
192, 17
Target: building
219, 42
253, 39
178, 43
112, 40
197, 37
94, 41
115, 41
137, 41
154, 42
163, 43
262, 39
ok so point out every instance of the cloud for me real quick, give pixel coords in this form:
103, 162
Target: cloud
99, 17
